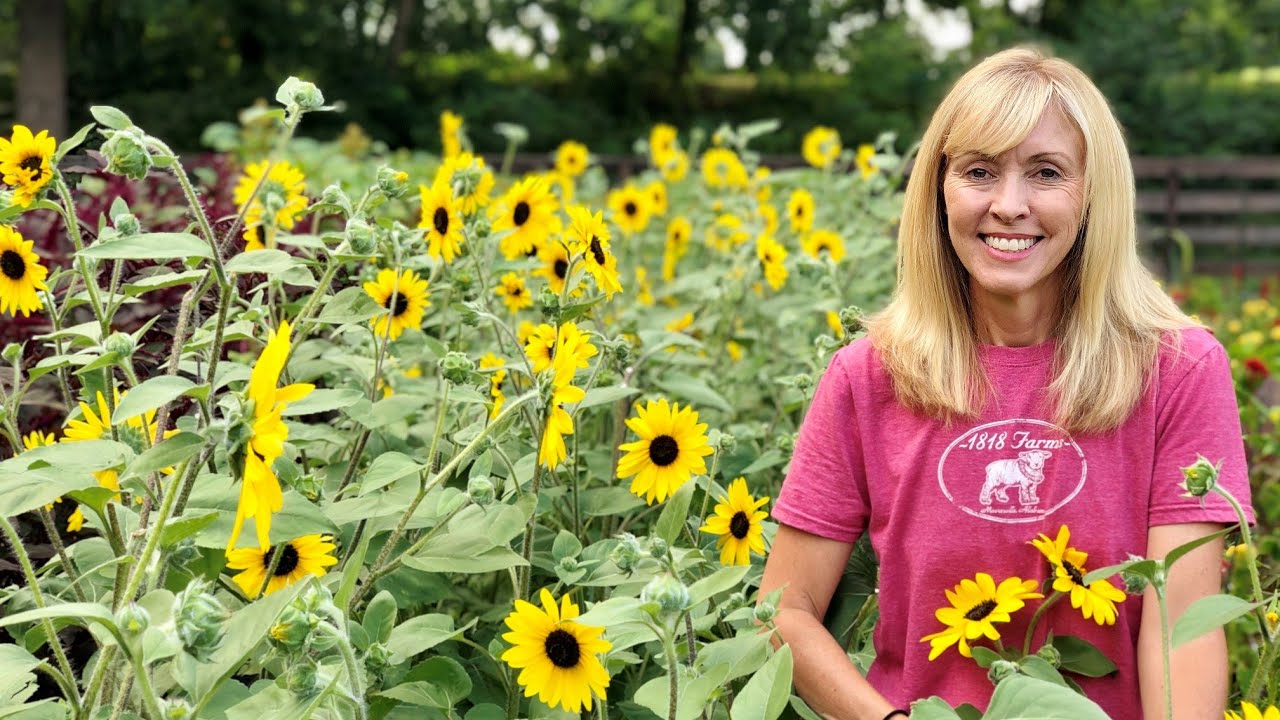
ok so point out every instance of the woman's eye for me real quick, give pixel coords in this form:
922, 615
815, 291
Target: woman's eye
1048, 174
978, 173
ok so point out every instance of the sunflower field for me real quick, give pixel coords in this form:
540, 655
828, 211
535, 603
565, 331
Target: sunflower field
320, 430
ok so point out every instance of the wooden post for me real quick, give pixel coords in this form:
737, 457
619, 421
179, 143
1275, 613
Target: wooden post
42, 66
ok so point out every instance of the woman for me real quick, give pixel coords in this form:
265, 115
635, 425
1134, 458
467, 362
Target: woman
1027, 374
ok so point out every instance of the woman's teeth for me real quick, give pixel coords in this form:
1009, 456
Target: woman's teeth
1008, 244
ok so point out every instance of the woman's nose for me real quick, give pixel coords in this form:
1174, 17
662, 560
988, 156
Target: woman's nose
1010, 200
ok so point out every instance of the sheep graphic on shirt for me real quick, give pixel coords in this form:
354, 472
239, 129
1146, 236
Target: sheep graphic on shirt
1024, 472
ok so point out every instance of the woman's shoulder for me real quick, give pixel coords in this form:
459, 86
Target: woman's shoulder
858, 357
1186, 349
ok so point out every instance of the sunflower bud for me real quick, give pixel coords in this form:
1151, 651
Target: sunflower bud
1134, 583
301, 678
377, 658
736, 599
567, 564
306, 96
549, 305
1050, 654
622, 351
458, 368
393, 183
122, 344
333, 195
126, 154
292, 629
803, 381
785, 442
667, 593
1000, 670
176, 709
481, 491
726, 442
851, 319
127, 225
133, 619
361, 238
464, 282
184, 553
765, 612
199, 619
1200, 477
626, 554
658, 547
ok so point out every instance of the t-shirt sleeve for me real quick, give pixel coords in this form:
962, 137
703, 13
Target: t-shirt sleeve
825, 489
1199, 417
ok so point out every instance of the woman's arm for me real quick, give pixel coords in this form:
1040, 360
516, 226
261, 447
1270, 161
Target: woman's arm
1198, 668
810, 567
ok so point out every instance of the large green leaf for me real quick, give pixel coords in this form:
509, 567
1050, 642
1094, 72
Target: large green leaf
934, 708
149, 395
150, 246
765, 695
439, 682
386, 469
83, 614
350, 305
245, 631
1081, 657
743, 654
689, 390
17, 682
322, 400
725, 578
675, 513
601, 395
422, 633
169, 453
1208, 614
691, 695
1019, 697
31, 489
265, 262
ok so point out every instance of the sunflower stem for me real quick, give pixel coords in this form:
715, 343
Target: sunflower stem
304, 315
1165, 649
148, 693
673, 671
706, 491
1246, 537
1035, 620
166, 508
526, 545
272, 566
215, 350
33, 583
56, 538
355, 673
60, 373
193, 200
67, 685
72, 222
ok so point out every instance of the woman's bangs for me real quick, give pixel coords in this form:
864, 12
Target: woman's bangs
989, 123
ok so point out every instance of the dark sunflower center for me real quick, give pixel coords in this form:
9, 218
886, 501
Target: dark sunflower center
739, 525
12, 265
401, 304
597, 252
981, 610
561, 267
1074, 572
800, 211
288, 560
441, 220
630, 208
664, 450
521, 213
515, 291
562, 649
33, 165
824, 248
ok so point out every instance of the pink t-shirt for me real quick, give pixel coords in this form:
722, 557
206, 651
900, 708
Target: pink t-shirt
944, 504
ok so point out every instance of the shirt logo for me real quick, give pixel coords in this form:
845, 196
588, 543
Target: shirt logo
1012, 471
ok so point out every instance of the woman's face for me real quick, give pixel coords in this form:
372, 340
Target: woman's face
1013, 218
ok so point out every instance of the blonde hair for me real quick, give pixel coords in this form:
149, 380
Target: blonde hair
1113, 315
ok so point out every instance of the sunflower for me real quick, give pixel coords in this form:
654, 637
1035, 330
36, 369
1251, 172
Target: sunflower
681, 323
821, 147
469, 179
772, 256
555, 265
644, 290
556, 657
300, 557
679, 230
442, 220
726, 232
490, 362
513, 292
137, 432
571, 158
976, 605
21, 274
657, 192
721, 168
768, 215
450, 134
737, 521
763, 190
669, 261
561, 186
734, 349
671, 448
282, 190
260, 491
410, 296
545, 344
24, 162
630, 208
834, 323
527, 210
1249, 711
866, 153
552, 450
800, 210
818, 242
1096, 600
674, 166
662, 144
589, 236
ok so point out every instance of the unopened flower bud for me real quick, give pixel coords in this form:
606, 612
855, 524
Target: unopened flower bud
1134, 583
567, 564
658, 547
851, 319
667, 592
480, 490
199, 619
122, 344
549, 305
176, 709
622, 352
377, 658
803, 381
333, 195
1050, 654
457, 368
785, 442
765, 612
184, 553
726, 442
126, 154
735, 600
127, 224
1200, 477
291, 630
133, 619
393, 183
1000, 670
361, 237
301, 678
626, 554
306, 95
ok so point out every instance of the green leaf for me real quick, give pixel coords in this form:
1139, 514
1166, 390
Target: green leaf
1040, 669
380, 616
1173, 555
765, 695
322, 400
351, 573
743, 654
80, 613
455, 553
245, 631
566, 545
602, 395
687, 390
934, 708
351, 305
726, 578
692, 695
149, 395
386, 469
1081, 657
422, 633
175, 531
165, 278
1208, 614
71, 143
170, 452
150, 246
17, 682
263, 262
768, 459
674, 513
277, 703
984, 656
1139, 566
110, 117
1019, 697
448, 679
26, 491
609, 501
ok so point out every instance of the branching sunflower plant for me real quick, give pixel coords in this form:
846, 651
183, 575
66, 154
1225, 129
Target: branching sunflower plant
464, 452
